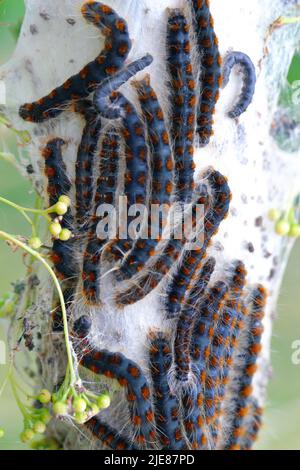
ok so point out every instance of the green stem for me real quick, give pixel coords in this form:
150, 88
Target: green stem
36, 255
23, 211
291, 20
19, 403
19, 209
6, 379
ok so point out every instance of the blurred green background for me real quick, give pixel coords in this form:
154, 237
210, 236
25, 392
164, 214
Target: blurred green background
282, 419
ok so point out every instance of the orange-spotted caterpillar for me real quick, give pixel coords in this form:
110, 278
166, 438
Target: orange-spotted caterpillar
210, 61
249, 80
183, 99
111, 59
85, 159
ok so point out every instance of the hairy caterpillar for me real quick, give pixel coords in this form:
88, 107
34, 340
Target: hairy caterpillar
191, 262
105, 194
59, 184
245, 371
104, 92
183, 103
137, 167
210, 61
249, 80
253, 425
204, 327
108, 435
173, 248
85, 159
185, 320
202, 335
129, 375
234, 312
164, 261
220, 343
161, 181
82, 326
116, 49
166, 403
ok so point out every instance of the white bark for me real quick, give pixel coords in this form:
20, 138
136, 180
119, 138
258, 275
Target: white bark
261, 176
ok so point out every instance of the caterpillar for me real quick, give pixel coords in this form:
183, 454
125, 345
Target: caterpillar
221, 199
243, 373
194, 425
185, 321
183, 104
187, 281
59, 184
61, 255
104, 91
85, 159
253, 425
116, 49
219, 345
210, 62
249, 80
203, 329
173, 248
105, 194
80, 335
235, 311
165, 260
137, 169
161, 179
238, 326
82, 326
129, 375
201, 337
108, 168
108, 435
166, 403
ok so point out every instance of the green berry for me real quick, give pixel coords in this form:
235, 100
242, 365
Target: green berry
25, 136
273, 214
27, 435
65, 200
282, 228
60, 409
61, 208
294, 231
79, 405
7, 307
55, 229
65, 235
81, 418
1, 433
35, 243
94, 409
39, 427
45, 415
44, 397
103, 401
